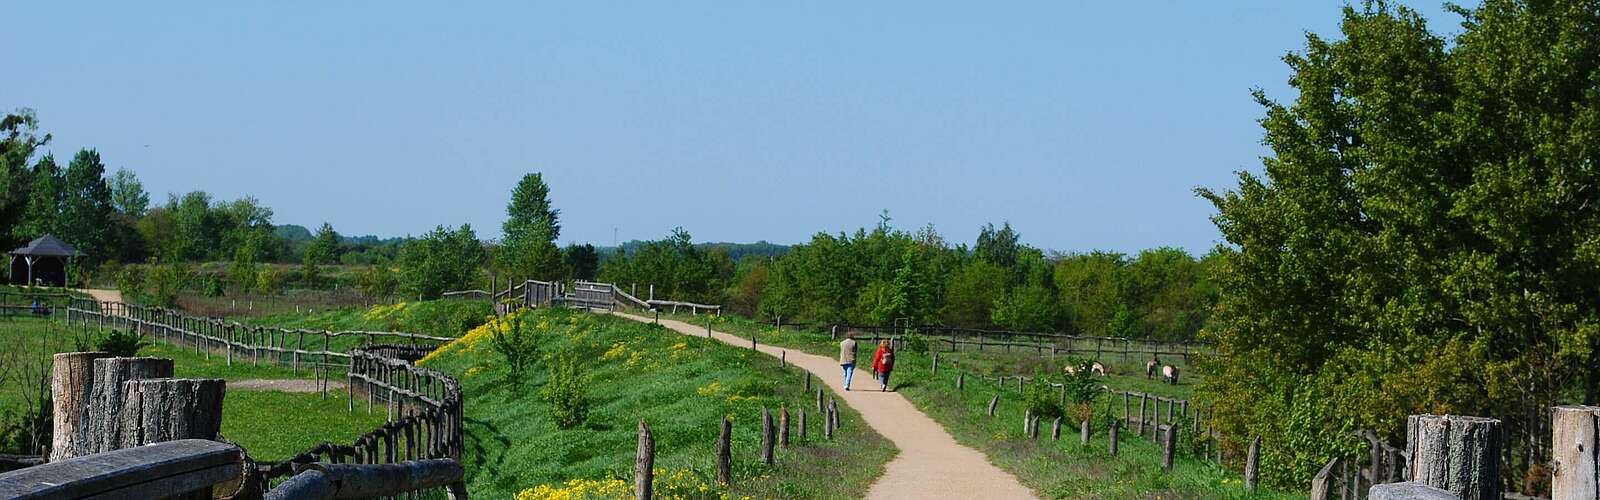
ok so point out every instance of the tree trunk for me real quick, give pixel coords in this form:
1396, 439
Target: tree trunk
1457, 454
71, 389
158, 410
644, 464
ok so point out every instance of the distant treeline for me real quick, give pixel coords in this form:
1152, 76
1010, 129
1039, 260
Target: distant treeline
884, 275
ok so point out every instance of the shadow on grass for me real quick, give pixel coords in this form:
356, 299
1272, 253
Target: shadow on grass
474, 440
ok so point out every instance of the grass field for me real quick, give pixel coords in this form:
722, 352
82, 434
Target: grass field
1053, 469
271, 426
682, 386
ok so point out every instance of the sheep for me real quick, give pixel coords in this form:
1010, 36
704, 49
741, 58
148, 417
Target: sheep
1098, 368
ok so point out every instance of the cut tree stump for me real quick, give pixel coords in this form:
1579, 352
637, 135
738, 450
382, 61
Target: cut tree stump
168, 409
105, 419
71, 389
1457, 454
644, 464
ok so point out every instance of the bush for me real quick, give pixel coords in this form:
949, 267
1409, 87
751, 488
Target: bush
130, 281
164, 282
1082, 389
1041, 399
513, 339
915, 342
566, 392
213, 286
122, 343
449, 318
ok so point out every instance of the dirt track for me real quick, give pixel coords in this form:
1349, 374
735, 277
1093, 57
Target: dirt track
930, 464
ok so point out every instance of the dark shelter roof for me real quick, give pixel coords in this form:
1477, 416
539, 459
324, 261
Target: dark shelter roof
48, 246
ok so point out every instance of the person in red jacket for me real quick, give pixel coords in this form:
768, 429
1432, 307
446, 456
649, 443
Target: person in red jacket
883, 363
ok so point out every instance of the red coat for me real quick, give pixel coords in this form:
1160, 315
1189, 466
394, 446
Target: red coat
883, 361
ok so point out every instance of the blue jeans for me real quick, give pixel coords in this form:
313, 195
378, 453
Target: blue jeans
883, 378
849, 369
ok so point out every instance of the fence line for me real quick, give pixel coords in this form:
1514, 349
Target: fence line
424, 406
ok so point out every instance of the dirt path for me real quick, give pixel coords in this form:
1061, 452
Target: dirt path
283, 385
930, 464
103, 295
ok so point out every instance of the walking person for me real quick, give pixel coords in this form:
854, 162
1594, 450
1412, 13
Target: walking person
847, 357
883, 363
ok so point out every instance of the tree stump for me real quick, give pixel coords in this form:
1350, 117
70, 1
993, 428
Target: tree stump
166, 409
1573, 431
106, 403
71, 390
1457, 454
644, 464
725, 453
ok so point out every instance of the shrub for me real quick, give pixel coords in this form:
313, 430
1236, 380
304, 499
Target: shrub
916, 342
1041, 399
122, 343
164, 282
1081, 388
512, 338
566, 393
130, 281
213, 286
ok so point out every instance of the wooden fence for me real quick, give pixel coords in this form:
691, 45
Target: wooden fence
32, 303
424, 406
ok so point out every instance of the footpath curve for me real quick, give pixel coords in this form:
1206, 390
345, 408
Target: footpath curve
931, 464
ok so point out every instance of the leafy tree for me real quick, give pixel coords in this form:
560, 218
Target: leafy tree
1029, 307
440, 261
378, 281
971, 293
128, 195
581, 260
1091, 289
1424, 238
48, 192
319, 251
194, 227
19, 139
678, 269
528, 247
999, 247
86, 210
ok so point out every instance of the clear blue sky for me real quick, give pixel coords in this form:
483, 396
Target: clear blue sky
1085, 124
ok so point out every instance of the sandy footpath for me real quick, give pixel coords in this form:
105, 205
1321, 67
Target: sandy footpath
930, 464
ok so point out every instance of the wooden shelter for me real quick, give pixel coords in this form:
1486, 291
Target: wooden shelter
43, 261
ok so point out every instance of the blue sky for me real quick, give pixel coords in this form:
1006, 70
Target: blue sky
1087, 125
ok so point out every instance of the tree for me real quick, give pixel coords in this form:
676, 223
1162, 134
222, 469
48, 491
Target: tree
581, 260
971, 293
1424, 238
528, 247
19, 139
128, 195
47, 193
86, 210
998, 247
440, 261
1091, 289
320, 251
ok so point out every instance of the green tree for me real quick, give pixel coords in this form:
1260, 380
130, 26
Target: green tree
320, 251
48, 191
128, 195
1424, 238
440, 261
86, 210
528, 248
1091, 289
581, 260
999, 247
971, 293
19, 139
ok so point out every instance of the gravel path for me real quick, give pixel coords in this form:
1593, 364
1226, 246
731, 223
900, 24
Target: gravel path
104, 295
930, 464
283, 385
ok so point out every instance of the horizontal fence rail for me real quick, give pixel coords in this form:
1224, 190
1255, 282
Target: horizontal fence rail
159, 470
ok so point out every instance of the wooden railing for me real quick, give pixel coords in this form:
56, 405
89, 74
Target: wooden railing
160, 470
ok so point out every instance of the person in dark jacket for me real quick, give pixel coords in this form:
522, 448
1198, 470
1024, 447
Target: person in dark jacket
883, 363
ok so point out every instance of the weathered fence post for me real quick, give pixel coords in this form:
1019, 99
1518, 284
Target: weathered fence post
71, 390
1144, 399
821, 408
827, 425
1111, 445
1055, 429
933, 368
1027, 418
802, 422
644, 464
783, 426
166, 409
1252, 464
1083, 433
1458, 454
1573, 432
766, 436
1127, 415
1168, 446
992, 402
1322, 483
833, 409
725, 453
961, 381
808, 382
107, 403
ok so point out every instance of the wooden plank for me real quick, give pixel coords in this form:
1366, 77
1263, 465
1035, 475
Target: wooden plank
164, 468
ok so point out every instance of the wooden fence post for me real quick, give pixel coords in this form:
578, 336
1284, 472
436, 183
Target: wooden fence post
1083, 433
827, 425
1252, 464
1111, 445
833, 409
783, 426
1573, 432
1127, 416
933, 368
766, 436
725, 453
808, 382
992, 402
107, 403
1322, 483
1027, 418
1457, 454
71, 390
644, 463
802, 422
1143, 400
167, 409
1055, 430
961, 381
1168, 446
820, 407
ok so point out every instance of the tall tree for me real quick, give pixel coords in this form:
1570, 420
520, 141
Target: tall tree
1425, 237
19, 139
1000, 247
128, 195
86, 209
440, 261
528, 247
43, 213
581, 260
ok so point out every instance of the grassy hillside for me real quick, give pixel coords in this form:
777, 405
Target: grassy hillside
682, 386
1053, 469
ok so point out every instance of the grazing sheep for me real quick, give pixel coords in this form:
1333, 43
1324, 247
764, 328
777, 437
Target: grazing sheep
1098, 368
1170, 373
